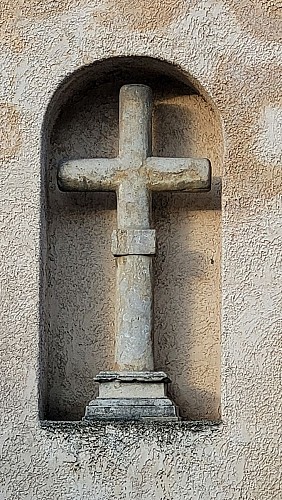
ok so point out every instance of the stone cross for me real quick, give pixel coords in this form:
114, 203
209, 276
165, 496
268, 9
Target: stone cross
133, 175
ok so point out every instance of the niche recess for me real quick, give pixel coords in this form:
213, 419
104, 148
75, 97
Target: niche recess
78, 282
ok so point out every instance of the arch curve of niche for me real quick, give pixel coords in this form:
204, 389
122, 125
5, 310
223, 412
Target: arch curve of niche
78, 278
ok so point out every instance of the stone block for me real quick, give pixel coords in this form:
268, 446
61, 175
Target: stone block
131, 409
134, 242
132, 384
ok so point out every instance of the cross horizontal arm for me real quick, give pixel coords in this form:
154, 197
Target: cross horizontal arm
89, 175
178, 174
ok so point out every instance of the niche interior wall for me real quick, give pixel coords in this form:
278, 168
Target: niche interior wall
78, 278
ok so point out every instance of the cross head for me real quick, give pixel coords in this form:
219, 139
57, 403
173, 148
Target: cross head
134, 174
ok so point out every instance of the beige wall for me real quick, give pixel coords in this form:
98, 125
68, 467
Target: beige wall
231, 55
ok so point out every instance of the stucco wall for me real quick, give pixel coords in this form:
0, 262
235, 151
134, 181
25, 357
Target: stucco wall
232, 55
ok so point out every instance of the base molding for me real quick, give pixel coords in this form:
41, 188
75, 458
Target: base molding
132, 396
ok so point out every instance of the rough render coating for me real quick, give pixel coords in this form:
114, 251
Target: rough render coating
234, 57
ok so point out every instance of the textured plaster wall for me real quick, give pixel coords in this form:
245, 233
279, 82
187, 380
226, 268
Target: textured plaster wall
232, 53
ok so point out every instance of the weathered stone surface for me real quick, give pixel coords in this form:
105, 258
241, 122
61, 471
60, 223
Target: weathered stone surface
131, 409
133, 241
132, 384
133, 376
133, 320
131, 394
131, 390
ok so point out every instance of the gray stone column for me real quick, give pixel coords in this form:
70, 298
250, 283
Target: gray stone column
134, 349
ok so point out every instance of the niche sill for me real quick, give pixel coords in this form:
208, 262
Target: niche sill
83, 426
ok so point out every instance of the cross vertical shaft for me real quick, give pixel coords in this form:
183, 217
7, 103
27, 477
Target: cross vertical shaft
134, 349
135, 125
135, 122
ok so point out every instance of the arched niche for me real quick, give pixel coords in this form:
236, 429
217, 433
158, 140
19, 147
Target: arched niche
78, 278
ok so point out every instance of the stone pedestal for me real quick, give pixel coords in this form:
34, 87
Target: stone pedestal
132, 396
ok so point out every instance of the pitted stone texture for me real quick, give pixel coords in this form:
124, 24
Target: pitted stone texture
131, 390
133, 242
132, 384
133, 376
132, 396
136, 395
138, 408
